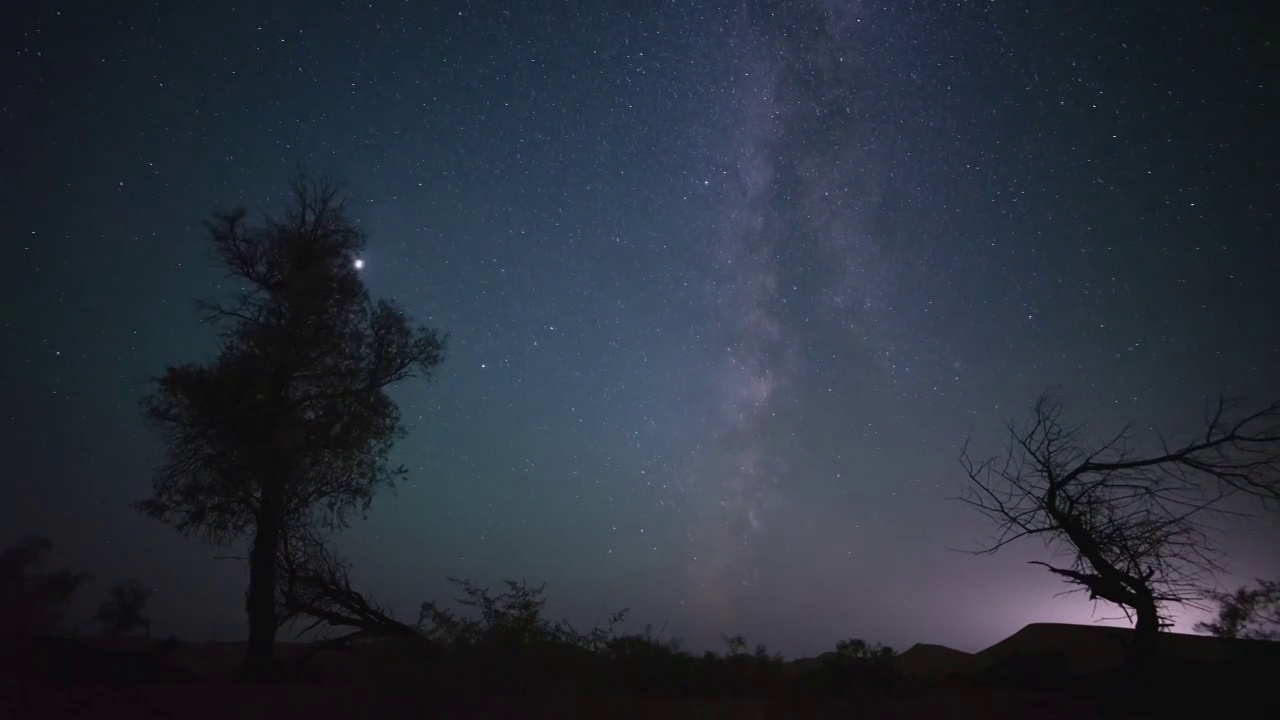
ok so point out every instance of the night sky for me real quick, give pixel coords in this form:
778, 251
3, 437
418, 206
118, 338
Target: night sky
727, 284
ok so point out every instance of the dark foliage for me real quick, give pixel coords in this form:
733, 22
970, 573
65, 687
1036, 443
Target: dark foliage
856, 667
501, 645
123, 612
495, 641
31, 601
503, 642
859, 649
1250, 612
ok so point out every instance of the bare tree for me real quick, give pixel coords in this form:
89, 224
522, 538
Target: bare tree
292, 416
122, 612
1132, 529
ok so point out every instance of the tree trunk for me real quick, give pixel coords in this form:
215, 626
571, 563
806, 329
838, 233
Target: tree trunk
1146, 633
261, 601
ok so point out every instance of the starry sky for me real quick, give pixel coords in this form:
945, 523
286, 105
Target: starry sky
728, 284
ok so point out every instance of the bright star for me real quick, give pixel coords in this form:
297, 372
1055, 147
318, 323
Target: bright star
359, 264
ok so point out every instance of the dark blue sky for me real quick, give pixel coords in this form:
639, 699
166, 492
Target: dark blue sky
727, 283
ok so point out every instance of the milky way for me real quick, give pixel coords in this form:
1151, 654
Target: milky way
737, 476
817, 211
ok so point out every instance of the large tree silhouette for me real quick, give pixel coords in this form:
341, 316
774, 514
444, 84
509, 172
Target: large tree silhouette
1134, 529
290, 425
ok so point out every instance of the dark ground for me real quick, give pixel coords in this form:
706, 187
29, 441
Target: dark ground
62, 678
221, 701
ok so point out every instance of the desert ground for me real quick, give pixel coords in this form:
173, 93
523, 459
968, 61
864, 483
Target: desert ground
1042, 671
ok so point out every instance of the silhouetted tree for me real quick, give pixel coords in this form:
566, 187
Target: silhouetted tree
1252, 613
735, 644
290, 425
34, 602
122, 612
859, 649
1131, 526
